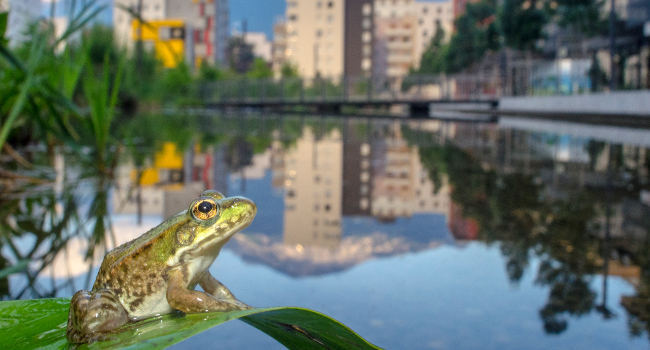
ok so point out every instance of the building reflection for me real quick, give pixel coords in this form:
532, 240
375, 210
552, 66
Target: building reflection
578, 207
312, 197
172, 180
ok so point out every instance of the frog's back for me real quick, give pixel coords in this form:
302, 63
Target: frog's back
128, 262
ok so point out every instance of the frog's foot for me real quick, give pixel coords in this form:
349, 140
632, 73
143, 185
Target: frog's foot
192, 301
212, 286
93, 315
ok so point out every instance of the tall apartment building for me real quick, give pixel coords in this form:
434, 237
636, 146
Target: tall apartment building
358, 39
205, 22
403, 30
329, 37
315, 36
431, 16
279, 47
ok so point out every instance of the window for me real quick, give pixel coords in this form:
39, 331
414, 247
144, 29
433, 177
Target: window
367, 51
366, 37
367, 9
293, 17
363, 203
330, 4
365, 149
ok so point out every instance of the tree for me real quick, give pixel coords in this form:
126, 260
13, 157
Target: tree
260, 69
240, 55
289, 70
476, 33
522, 23
432, 60
582, 16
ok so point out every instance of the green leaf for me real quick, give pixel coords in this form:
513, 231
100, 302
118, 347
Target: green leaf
42, 323
4, 16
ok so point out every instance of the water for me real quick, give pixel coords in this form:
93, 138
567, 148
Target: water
416, 234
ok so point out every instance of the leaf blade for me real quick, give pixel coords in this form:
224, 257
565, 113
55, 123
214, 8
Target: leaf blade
42, 323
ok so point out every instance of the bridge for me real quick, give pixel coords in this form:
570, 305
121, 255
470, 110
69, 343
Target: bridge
420, 96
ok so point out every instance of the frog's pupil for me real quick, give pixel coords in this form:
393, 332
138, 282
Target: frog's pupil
205, 207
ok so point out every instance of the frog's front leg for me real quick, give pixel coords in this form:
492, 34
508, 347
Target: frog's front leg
191, 301
212, 286
94, 314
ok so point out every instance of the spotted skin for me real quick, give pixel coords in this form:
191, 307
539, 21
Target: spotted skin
157, 272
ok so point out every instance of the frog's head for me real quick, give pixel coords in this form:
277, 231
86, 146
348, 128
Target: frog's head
211, 220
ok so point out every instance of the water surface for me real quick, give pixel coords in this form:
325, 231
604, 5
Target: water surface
416, 234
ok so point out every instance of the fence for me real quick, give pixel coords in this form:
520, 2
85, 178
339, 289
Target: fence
529, 77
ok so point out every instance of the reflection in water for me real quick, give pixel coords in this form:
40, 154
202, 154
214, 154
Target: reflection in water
334, 194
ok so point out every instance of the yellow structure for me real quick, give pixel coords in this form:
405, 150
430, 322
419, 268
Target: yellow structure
167, 37
169, 158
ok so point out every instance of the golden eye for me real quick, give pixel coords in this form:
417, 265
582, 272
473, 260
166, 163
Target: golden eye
205, 209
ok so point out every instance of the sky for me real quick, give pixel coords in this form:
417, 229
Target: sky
259, 14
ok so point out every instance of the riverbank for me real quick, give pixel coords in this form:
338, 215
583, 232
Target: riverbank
626, 108
621, 108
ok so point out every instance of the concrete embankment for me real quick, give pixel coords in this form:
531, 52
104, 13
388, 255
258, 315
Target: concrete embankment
630, 108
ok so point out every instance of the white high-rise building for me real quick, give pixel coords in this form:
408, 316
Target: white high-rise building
315, 36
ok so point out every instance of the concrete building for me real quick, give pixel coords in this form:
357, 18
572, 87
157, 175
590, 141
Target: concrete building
315, 36
358, 38
431, 16
279, 47
403, 30
313, 191
261, 45
329, 38
22, 13
205, 22
395, 30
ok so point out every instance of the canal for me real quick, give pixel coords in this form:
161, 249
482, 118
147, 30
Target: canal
417, 234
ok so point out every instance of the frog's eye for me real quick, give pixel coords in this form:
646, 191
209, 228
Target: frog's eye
205, 209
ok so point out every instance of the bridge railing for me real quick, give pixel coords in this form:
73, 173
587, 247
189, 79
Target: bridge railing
347, 88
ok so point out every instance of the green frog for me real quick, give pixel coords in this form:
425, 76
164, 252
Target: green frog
157, 272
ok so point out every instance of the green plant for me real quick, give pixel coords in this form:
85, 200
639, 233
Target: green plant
41, 324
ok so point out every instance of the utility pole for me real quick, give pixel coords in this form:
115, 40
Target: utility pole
612, 48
